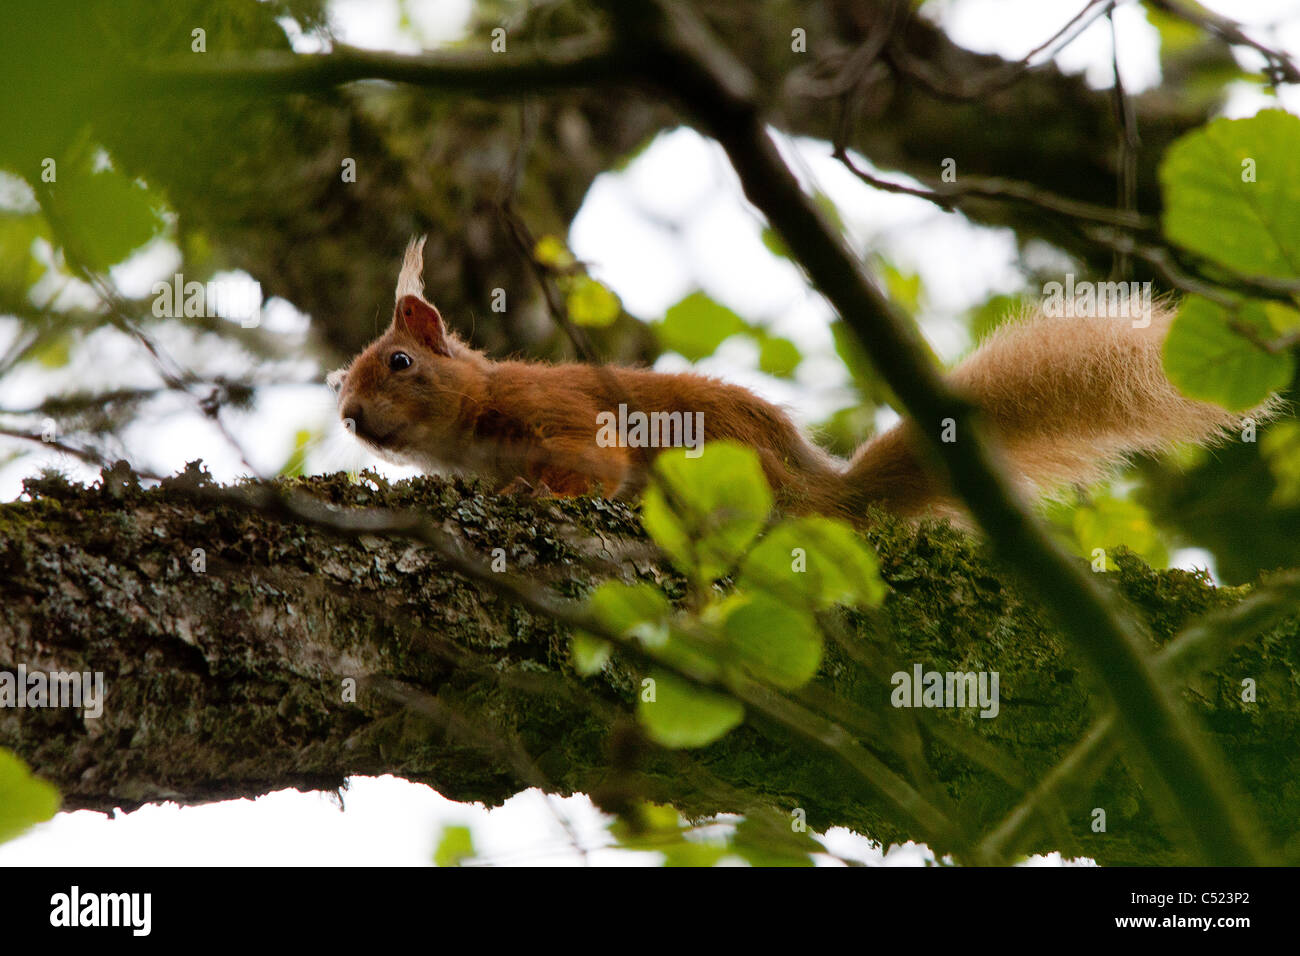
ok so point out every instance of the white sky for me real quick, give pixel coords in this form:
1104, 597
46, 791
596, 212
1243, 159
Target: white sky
652, 245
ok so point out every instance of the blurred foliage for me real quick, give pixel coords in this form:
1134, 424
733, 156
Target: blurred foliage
1280, 447
589, 302
24, 800
302, 442
696, 325
712, 516
759, 583
98, 212
758, 839
455, 846
1231, 192
1226, 500
1208, 357
1231, 196
1106, 522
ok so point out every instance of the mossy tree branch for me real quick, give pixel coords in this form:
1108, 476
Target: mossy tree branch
228, 682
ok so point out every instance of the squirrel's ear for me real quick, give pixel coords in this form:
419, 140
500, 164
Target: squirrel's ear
422, 322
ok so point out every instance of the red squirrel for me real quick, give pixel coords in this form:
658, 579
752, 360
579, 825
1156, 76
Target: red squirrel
1065, 398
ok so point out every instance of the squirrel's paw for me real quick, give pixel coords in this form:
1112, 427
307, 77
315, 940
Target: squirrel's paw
516, 486
522, 486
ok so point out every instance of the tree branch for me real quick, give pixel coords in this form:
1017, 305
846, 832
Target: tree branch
562, 64
228, 681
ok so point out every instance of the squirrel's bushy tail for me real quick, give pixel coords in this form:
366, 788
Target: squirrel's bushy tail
1067, 399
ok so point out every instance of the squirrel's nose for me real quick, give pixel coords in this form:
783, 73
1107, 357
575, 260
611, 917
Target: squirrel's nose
353, 412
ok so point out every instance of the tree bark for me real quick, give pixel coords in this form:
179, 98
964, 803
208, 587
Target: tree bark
230, 681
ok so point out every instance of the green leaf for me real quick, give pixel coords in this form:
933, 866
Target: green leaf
294, 464
1248, 226
1280, 447
1282, 319
694, 853
24, 800
904, 288
829, 210
773, 243
689, 654
1176, 34
703, 512
696, 326
765, 838
591, 303
775, 642
636, 609
778, 356
620, 607
19, 268
1208, 360
105, 215
1107, 522
814, 562
661, 829
851, 352
454, 846
590, 653
848, 428
683, 715
644, 826
53, 351
551, 251
992, 313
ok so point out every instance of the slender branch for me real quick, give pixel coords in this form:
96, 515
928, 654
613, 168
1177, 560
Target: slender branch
949, 197
964, 88
85, 454
1125, 231
1193, 273
174, 376
1126, 120
578, 62
79, 403
1281, 68
1200, 645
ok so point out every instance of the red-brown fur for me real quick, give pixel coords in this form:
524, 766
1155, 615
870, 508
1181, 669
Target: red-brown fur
1065, 398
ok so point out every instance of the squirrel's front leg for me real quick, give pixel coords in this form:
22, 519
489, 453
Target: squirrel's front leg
569, 470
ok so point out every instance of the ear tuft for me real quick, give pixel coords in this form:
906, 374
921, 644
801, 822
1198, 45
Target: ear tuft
422, 322
410, 281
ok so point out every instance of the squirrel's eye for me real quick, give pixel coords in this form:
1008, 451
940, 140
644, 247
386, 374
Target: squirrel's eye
398, 361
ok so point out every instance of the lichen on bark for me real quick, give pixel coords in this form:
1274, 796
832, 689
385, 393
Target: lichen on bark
229, 681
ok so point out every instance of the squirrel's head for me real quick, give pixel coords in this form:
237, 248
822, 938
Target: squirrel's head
403, 396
